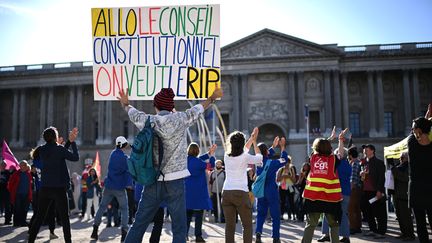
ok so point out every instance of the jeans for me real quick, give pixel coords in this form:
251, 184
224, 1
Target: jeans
170, 192
344, 229
198, 220
311, 223
48, 196
107, 196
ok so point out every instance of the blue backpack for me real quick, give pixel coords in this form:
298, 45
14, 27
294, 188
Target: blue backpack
140, 162
258, 185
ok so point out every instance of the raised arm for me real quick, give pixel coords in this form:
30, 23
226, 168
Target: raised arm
341, 150
249, 142
217, 93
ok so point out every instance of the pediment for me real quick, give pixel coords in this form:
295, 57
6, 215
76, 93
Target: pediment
269, 43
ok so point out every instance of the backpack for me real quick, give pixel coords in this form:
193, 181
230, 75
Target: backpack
258, 185
140, 162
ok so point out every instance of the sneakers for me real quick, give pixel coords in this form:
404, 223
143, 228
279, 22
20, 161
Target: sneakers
94, 235
258, 238
199, 239
344, 239
53, 236
324, 238
123, 235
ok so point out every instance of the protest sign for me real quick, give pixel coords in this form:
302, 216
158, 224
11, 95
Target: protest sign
145, 49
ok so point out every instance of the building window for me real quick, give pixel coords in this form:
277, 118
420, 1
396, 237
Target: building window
354, 123
314, 122
388, 123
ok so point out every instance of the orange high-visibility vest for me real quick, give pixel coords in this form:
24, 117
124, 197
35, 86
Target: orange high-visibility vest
323, 183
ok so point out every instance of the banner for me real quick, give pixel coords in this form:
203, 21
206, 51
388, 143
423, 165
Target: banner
9, 157
144, 49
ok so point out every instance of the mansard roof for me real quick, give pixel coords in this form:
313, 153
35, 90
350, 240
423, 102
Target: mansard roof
272, 44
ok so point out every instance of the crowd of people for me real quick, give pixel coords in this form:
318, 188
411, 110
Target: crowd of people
335, 188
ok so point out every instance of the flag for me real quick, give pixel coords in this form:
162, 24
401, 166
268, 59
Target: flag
8, 156
96, 165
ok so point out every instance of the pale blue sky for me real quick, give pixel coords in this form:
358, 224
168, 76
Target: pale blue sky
53, 31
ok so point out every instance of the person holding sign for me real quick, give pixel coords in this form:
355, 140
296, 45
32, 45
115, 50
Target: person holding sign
171, 127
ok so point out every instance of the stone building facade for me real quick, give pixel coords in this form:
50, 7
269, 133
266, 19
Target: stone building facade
268, 79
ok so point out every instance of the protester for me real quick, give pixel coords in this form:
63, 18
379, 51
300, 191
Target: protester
115, 184
55, 179
286, 177
21, 191
235, 197
76, 180
4, 193
271, 195
217, 179
197, 196
322, 193
93, 191
344, 171
84, 176
403, 212
354, 209
373, 176
171, 128
420, 166
301, 184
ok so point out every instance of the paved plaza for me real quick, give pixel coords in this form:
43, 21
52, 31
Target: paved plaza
212, 232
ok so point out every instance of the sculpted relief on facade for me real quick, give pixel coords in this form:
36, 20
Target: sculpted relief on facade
268, 110
268, 46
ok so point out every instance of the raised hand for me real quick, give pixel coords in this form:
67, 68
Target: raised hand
123, 97
275, 142
254, 134
342, 134
212, 149
217, 93
333, 134
73, 134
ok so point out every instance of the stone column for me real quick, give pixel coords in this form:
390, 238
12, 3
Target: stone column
416, 93
50, 107
108, 122
236, 110
406, 99
22, 118
300, 103
327, 103
345, 99
380, 99
15, 114
291, 104
101, 123
337, 101
371, 104
42, 113
244, 116
71, 118
79, 113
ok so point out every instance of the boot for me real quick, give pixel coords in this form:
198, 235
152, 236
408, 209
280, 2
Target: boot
123, 235
276, 240
258, 238
94, 235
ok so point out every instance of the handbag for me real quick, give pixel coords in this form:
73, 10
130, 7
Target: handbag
258, 185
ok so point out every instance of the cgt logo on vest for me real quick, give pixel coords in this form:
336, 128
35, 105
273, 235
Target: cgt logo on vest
320, 166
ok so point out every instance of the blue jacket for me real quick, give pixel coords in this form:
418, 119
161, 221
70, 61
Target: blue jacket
197, 196
118, 176
344, 171
270, 186
54, 172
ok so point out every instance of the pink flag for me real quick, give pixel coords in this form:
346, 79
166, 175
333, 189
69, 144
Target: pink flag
8, 156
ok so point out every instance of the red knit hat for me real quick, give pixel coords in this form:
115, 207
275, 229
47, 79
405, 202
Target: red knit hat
164, 100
